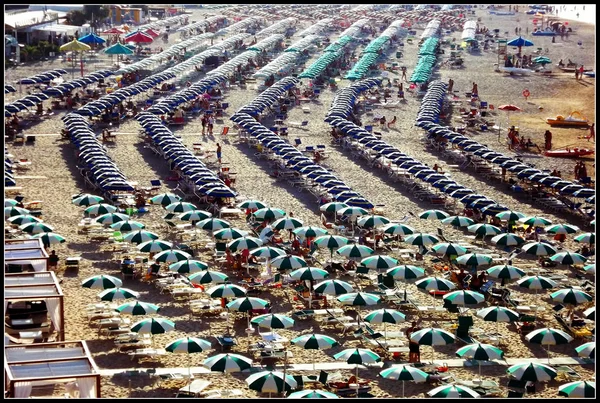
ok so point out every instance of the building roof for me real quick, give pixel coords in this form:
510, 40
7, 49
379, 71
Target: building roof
29, 18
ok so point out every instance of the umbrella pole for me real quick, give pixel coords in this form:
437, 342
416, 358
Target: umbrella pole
357, 386
403, 389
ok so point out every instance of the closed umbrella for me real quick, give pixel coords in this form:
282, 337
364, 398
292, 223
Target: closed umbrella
453, 391
533, 372
405, 373
271, 382
549, 337
480, 352
578, 389
188, 345
101, 282
432, 337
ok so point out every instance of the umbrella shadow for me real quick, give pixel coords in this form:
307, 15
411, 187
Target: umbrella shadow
158, 164
67, 156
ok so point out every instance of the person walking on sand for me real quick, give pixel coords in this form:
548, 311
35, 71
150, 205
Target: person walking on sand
414, 354
592, 133
210, 124
219, 155
548, 140
203, 121
576, 74
404, 73
581, 70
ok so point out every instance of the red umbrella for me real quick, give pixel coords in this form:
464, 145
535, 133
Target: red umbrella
113, 31
509, 107
139, 37
152, 33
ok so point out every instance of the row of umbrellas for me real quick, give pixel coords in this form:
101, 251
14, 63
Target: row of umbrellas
267, 42
423, 69
279, 26
240, 26
330, 54
360, 69
278, 65
268, 97
318, 28
9, 174
170, 21
303, 43
9, 88
45, 77
428, 119
433, 28
201, 25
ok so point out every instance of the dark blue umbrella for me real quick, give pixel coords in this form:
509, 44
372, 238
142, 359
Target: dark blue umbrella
92, 39
28, 81
359, 202
460, 193
10, 88
519, 42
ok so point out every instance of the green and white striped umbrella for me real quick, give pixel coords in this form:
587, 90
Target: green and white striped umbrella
398, 229
453, 391
138, 308
289, 223
229, 233
213, 224
195, 215
331, 241
49, 238
536, 283
435, 284
593, 222
474, 259
36, 228
188, 345
587, 350
448, 249
498, 314
333, 287
12, 211
385, 316
153, 326
538, 249
313, 394
247, 242
484, 229
562, 229
101, 282
273, 321
268, 252
421, 239
590, 313
113, 294
535, 221
357, 356
406, 272
571, 296
332, 207
154, 245
23, 219
271, 382
288, 262
379, 262
509, 215
433, 215
252, 204
352, 211
355, 250
405, 373
588, 237
227, 363
315, 341
268, 213
568, 258
188, 266
464, 297
531, 371
181, 207
480, 352
506, 272
359, 299
102, 208
508, 239
458, 221
10, 202
87, 200
165, 199
590, 268
226, 291
578, 389
208, 276
127, 226
548, 337
140, 236
372, 221
171, 256
245, 304
310, 232
111, 218
432, 337
309, 273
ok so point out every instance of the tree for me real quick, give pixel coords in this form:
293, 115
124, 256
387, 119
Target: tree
76, 17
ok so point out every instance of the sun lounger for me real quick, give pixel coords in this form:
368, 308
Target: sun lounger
221, 394
273, 337
147, 353
193, 389
226, 342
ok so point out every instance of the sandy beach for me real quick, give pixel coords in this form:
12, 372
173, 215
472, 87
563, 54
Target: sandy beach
56, 177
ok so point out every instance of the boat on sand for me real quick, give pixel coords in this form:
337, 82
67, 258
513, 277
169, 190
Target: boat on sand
569, 152
575, 119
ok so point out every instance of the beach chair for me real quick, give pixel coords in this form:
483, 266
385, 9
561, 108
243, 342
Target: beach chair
300, 125
516, 388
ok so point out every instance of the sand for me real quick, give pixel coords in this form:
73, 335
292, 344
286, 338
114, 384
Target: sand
55, 159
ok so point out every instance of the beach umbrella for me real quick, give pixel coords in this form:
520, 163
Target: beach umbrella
352, 211
188, 345
505, 272
139, 236
435, 284
421, 239
536, 283
289, 223
406, 272
213, 224
398, 229
154, 245
127, 226
195, 215
562, 229
590, 313
87, 200
36, 228
384, 316
12, 211
268, 252
101, 282
226, 291
587, 350
10, 202
498, 314
480, 352
208, 276
588, 237
268, 213
404, 373
118, 49
113, 294
74, 46
308, 231
331, 242
458, 221
509, 215
571, 296
139, 37
153, 326
171, 256
273, 321
549, 337
246, 242
533, 372
578, 389
188, 266
538, 249
358, 356
271, 382
590, 268
535, 221
332, 207
111, 218
474, 259
464, 297
355, 250
312, 394
181, 207
372, 221
359, 299
165, 199
448, 249
379, 262
568, 258
333, 287
98, 209
484, 229
432, 337
309, 273
138, 308
227, 363
433, 215
91, 39
252, 205
314, 342
246, 304
229, 233
453, 391
23, 219
49, 238
508, 239
288, 262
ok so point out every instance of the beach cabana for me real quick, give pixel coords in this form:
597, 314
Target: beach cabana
22, 288
19, 253
38, 365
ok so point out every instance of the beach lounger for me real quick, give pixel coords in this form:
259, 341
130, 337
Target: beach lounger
147, 353
226, 342
193, 389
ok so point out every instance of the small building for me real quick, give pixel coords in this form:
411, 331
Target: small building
124, 15
25, 254
21, 24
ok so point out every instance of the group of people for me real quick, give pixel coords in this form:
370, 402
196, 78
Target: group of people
580, 170
579, 72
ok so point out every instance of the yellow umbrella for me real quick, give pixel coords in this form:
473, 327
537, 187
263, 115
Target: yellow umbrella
74, 46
